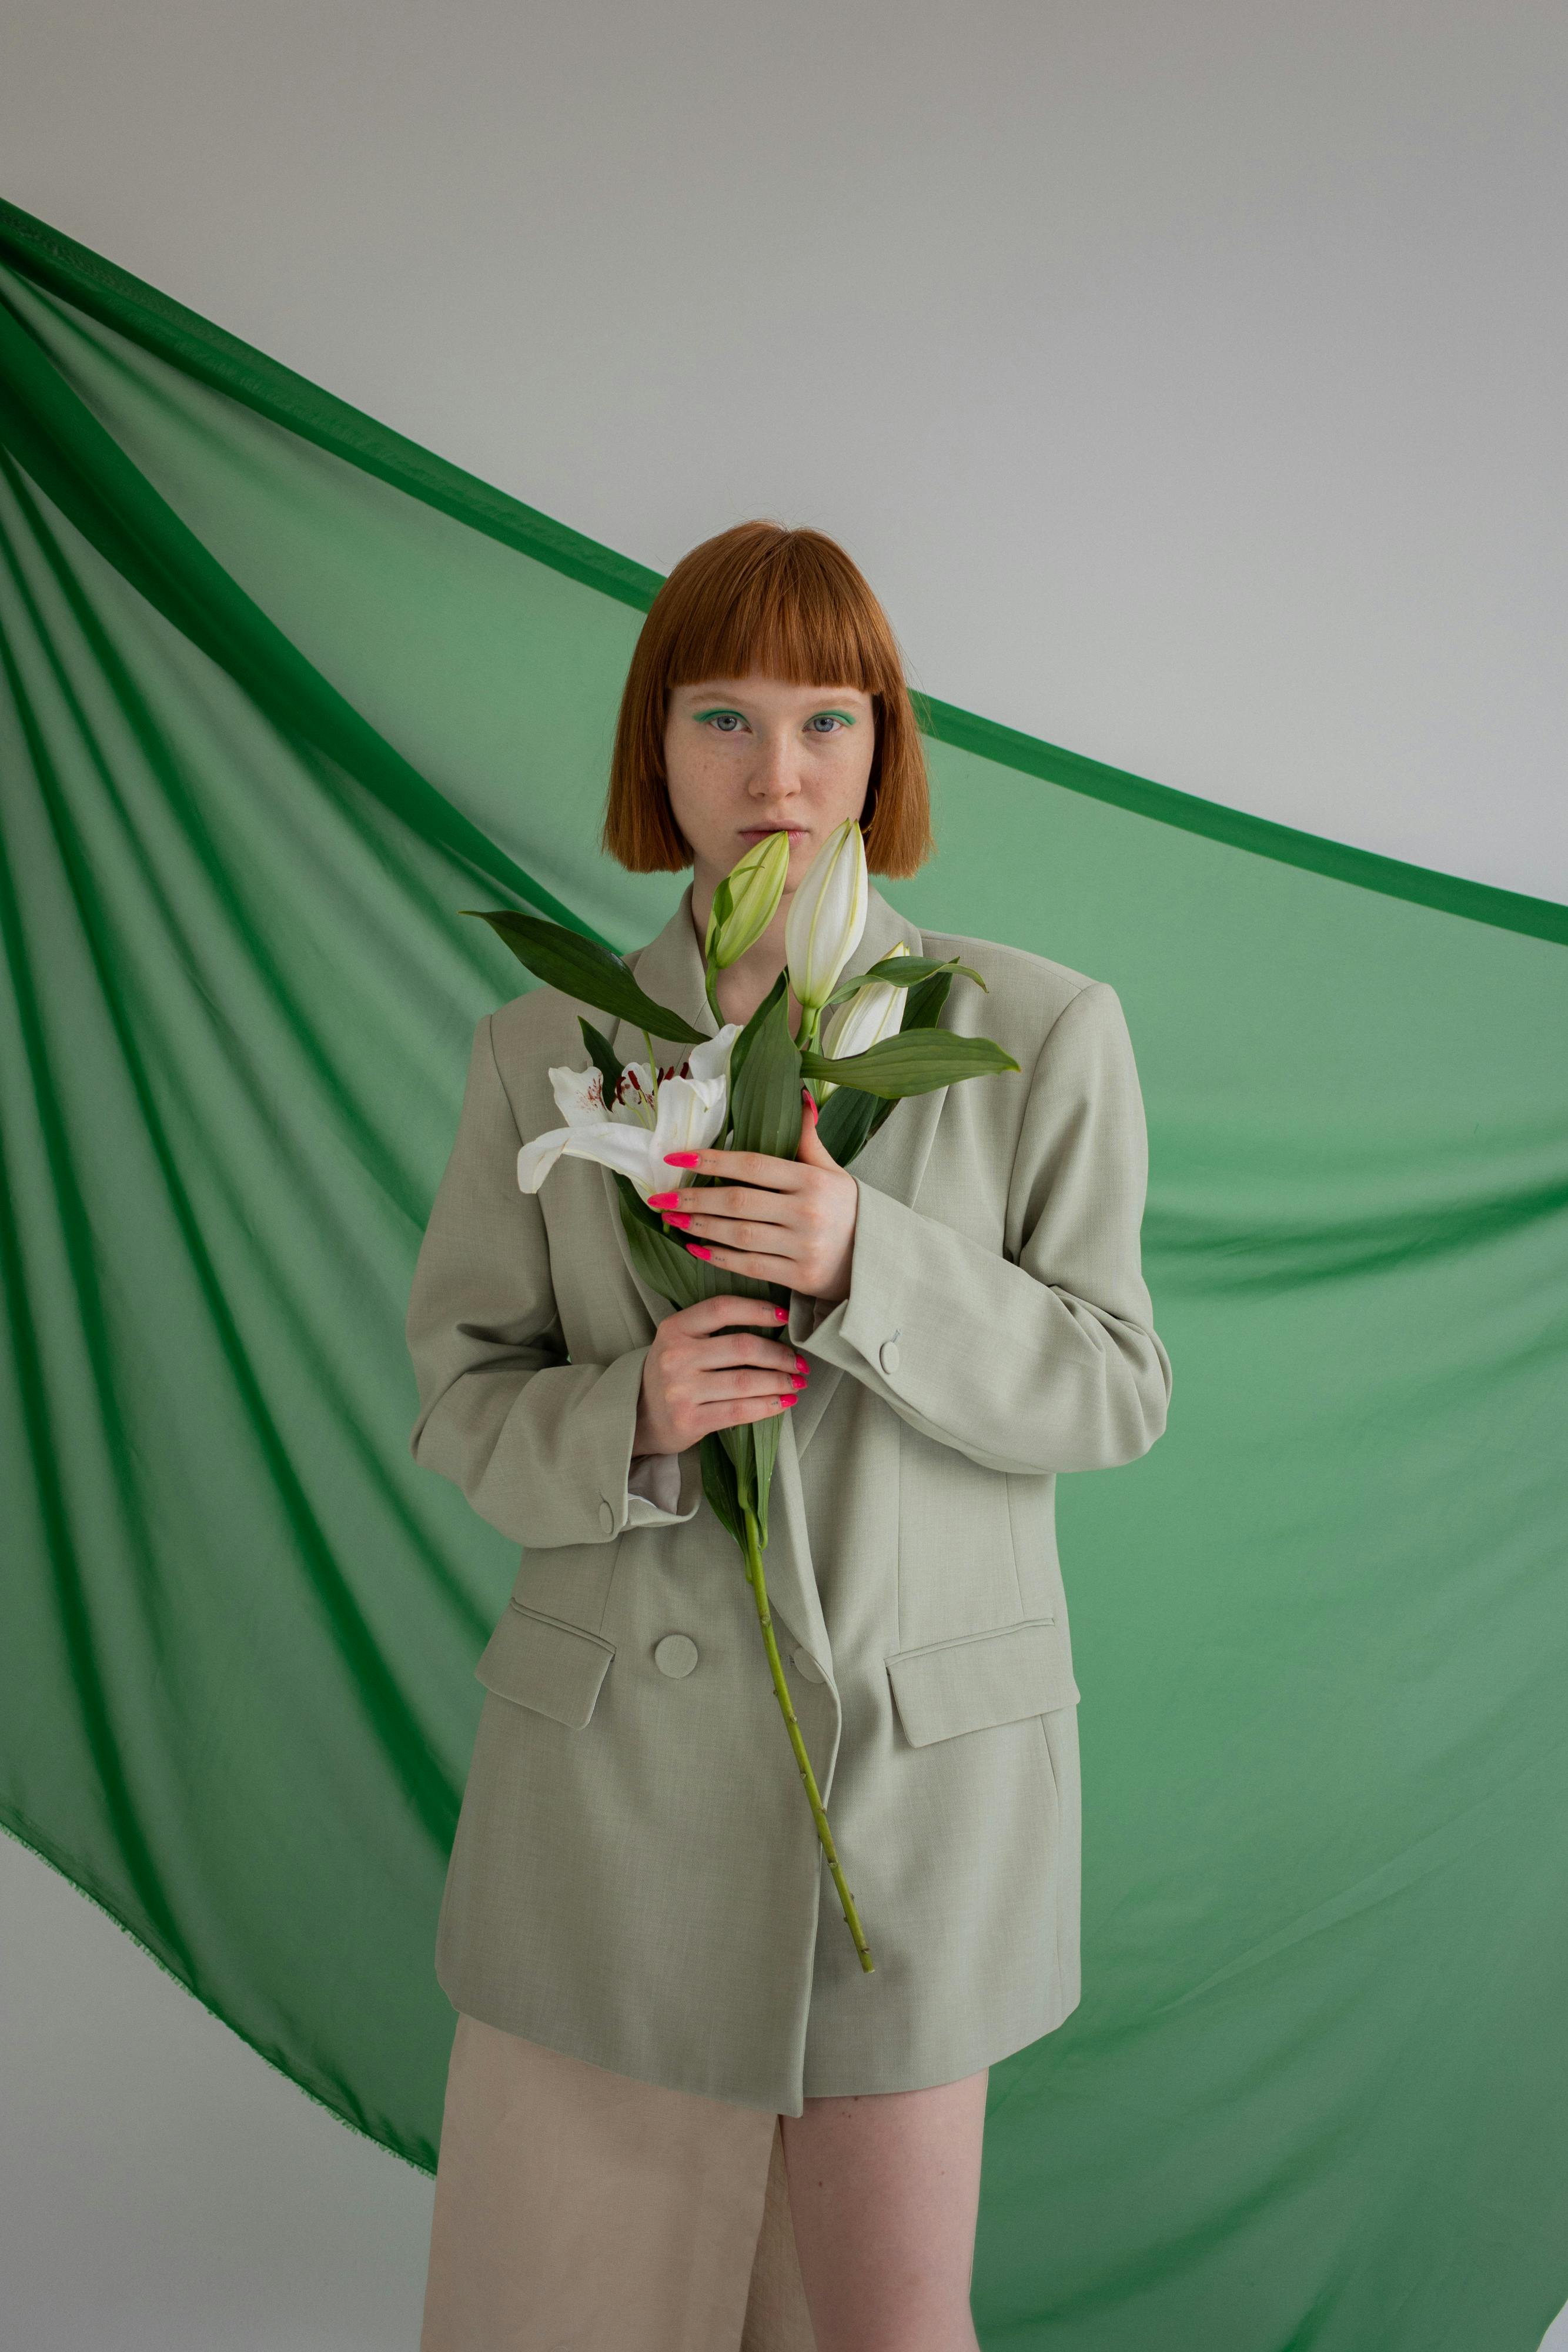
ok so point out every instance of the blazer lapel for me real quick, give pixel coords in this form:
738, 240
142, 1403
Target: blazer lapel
670, 970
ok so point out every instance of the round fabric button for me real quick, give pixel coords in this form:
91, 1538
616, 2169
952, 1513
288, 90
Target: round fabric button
606, 1518
887, 1356
675, 1654
806, 1666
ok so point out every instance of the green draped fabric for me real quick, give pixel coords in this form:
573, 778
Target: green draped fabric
281, 693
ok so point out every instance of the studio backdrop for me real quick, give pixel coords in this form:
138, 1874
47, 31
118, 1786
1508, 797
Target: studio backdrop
281, 694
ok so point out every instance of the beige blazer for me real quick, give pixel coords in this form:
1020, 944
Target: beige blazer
636, 1879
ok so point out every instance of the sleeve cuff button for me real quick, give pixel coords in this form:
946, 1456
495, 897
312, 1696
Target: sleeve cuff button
606, 1518
887, 1356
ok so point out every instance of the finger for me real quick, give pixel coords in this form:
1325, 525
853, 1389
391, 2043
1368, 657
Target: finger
811, 1152
720, 1388
713, 1314
769, 1268
725, 1201
782, 1367
740, 1167
725, 1354
735, 1233
734, 1416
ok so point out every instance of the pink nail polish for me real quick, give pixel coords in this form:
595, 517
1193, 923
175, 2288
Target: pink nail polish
799, 1379
663, 1200
681, 1159
788, 1399
675, 1217
697, 1250
802, 1366
782, 1313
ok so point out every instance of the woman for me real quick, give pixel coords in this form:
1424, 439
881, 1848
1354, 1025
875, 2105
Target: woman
679, 2112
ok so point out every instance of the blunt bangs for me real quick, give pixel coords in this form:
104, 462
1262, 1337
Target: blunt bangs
784, 610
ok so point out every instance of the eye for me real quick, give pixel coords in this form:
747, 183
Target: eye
827, 722
723, 722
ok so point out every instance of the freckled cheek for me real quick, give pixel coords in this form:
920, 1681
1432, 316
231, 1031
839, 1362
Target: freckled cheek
705, 797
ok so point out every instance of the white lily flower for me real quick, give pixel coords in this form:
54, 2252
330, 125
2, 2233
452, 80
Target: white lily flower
652, 1113
862, 1020
826, 916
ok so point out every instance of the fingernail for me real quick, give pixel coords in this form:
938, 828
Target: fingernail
678, 1217
788, 1399
664, 1200
697, 1250
681, 1159
782, 1313
802, 1366
799, 1379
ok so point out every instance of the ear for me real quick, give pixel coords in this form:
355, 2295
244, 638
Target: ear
811, 1152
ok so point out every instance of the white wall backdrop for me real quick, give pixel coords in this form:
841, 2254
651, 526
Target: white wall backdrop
162, 2190
1188, 380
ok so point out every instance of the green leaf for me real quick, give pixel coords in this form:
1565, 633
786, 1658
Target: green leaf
915, 1061
905, 972
844, 1122
765, 1098
764, 1436
737, 1442
923, 1005
922, 1010
674, 1273
718, 915
850, 1117
582, 968
752, 1447
721, 1489
667, 1264
634, 1205
603, 1054
747, 1037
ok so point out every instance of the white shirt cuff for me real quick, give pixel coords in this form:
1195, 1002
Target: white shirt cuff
653, 1481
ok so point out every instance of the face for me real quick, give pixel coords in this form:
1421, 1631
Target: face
745, 757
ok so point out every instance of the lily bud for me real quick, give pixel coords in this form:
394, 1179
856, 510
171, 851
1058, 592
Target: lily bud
747, 900
826, 916
863, 1020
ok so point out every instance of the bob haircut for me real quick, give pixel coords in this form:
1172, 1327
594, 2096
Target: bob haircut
788, 605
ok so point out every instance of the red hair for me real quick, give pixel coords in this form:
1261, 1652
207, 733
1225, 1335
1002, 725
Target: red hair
788, 605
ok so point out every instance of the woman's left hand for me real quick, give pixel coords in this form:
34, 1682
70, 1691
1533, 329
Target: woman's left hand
791, 1221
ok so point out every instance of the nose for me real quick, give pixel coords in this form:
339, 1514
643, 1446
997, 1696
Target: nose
775, 775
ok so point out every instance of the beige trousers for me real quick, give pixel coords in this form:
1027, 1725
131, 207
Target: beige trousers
577, 2210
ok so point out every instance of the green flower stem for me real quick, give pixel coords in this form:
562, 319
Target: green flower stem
754, 1578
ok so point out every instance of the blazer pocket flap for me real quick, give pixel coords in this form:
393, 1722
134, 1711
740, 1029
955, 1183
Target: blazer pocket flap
539, 1662
981, 1679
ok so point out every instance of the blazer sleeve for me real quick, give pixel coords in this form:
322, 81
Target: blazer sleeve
1046, 1358
541, 1446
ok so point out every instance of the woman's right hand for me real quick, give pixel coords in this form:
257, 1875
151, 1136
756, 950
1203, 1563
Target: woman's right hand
698, 1377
